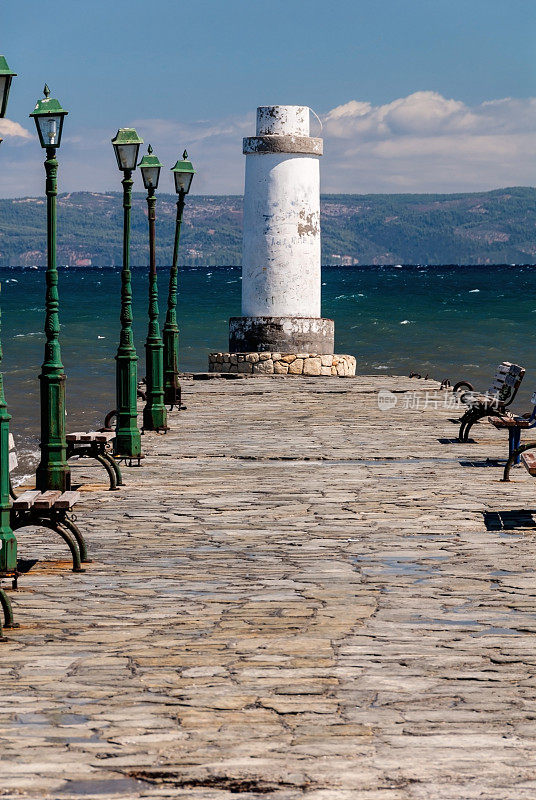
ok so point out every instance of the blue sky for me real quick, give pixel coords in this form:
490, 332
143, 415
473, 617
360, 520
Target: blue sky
415, 95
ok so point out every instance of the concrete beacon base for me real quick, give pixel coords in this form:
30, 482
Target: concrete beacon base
281, 334
269, 363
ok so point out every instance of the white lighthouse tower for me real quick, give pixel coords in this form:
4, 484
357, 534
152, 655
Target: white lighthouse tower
281, 328
281, 247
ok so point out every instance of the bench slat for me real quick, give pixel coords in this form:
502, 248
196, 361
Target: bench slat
13, 461
503, 368
529, 462
75, 436
26, 500
88, 437
67, 500
507, 375
104, 436
510, 422
46, 500
511, 380
84, 437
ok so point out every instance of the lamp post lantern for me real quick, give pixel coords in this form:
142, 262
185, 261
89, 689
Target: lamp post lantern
53, 471
6, 76
127, 435
183, 173
154, 412
8, 542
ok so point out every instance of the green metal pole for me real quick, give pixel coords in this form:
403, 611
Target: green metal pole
53, 471
8, 542
127, 436
154, 413
172, 387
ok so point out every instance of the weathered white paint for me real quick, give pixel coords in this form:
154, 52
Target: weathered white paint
281, 243
283, 120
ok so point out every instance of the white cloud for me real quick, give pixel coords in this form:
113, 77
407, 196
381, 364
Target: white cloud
429, 143
420, 143
12, 130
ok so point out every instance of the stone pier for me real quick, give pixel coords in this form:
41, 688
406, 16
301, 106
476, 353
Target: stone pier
298, 595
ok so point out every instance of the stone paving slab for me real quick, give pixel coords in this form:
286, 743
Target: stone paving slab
297, 595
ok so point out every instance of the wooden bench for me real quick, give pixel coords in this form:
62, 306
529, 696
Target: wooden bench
96, 444
515, 425
50, 510
495, 401
529, 462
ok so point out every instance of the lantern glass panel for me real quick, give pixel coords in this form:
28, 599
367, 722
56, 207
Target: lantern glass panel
183, 181
127, 155
150, 177
50, 129
5, 83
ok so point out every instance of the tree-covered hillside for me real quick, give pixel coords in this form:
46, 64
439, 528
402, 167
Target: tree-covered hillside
477, 228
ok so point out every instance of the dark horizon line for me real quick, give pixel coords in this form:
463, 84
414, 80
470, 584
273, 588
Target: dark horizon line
193, 267
114, 192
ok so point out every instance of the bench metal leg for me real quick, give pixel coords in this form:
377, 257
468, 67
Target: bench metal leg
102, 459
465, 420
53, 525
514, 458
9, 622
75, 530
514, 439
466, 416
465, 428
71, 543
116, 468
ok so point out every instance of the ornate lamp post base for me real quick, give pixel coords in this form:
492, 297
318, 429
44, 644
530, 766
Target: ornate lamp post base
53, 471
172, 387
154, 412
8, 550
127, 435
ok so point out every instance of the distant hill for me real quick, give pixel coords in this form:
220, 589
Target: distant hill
477, 228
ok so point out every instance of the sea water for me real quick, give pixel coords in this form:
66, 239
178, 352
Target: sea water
445, 322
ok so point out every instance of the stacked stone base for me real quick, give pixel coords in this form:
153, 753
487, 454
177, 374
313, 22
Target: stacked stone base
283, 364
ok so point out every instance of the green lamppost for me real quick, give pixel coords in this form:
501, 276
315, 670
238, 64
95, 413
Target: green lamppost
154, 412
127, 436
53, 471
8, 542
183, 172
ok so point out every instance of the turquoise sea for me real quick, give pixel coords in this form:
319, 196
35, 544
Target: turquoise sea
448, 322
